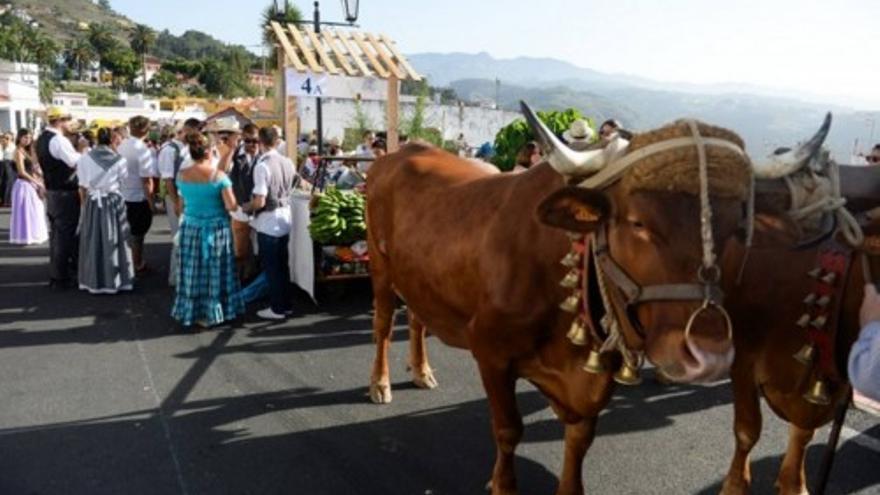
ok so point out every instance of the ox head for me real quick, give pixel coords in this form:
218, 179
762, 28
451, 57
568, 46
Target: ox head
650, 241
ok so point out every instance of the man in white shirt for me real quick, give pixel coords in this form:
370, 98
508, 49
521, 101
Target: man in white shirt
137, 187
7, 167
58, 158
273, 181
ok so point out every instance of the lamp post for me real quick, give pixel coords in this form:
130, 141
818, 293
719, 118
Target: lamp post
351, 8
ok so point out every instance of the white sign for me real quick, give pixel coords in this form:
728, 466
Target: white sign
309, 84
306, 84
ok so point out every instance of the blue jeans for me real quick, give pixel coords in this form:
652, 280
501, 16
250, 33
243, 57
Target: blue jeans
273, 260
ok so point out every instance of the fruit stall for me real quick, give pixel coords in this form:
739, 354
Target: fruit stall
338, 229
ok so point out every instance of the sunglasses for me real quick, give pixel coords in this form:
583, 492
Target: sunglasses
250, 141
872, 159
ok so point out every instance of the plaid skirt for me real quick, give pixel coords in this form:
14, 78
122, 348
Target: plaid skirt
208, 290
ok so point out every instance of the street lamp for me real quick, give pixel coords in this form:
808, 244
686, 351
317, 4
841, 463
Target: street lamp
351, 10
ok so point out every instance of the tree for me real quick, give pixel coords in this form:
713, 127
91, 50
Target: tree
124, 64
80, 55
101, 38
142, 39
105, 5
21, 42
163, 80
283, 14
415, 127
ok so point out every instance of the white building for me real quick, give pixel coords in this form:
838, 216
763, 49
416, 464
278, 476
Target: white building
127, 107
20, 104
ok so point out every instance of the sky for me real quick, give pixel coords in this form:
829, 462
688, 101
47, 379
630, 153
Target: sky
820, 48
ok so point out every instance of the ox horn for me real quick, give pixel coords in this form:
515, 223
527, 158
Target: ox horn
563, 159
787, 161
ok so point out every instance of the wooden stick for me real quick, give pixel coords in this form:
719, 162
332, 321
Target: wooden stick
340, 57
319, 47
400, 58
399, 74
392, 114
287, 47
343, 37
384, 74
307, 53
831, 447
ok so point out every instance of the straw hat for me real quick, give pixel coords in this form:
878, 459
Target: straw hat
224, 124
579, 133
57, 113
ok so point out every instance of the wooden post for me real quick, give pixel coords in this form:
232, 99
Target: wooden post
288, 111
392, 113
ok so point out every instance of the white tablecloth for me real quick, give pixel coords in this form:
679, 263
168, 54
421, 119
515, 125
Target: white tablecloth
302, 259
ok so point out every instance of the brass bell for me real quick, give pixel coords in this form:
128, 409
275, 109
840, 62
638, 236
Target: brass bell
806, 354
627, 375
814, 273
804, 320
577, 334
829, 278
571, 280
810, 299
571, 260
819, 322
818, 394
571, 303
594, 363
823, 301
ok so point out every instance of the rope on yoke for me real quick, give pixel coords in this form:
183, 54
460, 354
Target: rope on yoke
811, 194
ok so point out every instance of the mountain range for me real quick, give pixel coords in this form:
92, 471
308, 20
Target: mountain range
766, 118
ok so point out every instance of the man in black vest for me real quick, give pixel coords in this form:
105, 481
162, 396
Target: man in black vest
242, 176
58, 159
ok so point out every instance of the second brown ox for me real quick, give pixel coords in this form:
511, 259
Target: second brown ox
467, 252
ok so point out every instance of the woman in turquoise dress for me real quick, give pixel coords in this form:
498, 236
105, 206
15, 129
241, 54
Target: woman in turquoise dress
208, 291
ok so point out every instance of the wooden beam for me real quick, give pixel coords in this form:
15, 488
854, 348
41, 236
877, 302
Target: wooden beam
307, 53
369, 54
289, 117
319, 47
287, 48
385, 58
328, 37
392, 114
343, 37
400, 58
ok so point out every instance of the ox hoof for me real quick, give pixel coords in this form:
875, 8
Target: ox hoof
380, 393
425, 380
735, 488
500, 491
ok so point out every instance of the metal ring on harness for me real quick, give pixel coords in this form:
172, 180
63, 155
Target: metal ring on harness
707, 305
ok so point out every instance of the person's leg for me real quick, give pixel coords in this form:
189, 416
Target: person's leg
69, 233
54, 206
284, 273
271, 261
257, 289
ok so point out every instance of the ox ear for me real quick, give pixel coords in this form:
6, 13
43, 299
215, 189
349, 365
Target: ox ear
575, 209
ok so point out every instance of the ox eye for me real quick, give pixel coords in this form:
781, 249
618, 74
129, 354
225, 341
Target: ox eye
636, 224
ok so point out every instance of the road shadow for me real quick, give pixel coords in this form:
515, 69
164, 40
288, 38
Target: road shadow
851, 458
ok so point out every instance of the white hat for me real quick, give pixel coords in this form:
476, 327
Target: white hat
579, 132
224, 124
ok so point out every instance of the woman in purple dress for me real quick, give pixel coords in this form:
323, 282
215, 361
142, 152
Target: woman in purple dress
28, 225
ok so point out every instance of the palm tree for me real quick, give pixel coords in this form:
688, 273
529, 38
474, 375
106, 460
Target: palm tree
142, 39
80, 55
282, 14
101, 38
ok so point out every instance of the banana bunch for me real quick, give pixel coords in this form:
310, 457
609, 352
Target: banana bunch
338, 218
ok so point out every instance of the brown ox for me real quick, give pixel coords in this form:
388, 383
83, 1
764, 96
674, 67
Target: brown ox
765, 307
469, 255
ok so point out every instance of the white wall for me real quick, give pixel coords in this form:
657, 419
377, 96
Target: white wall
478, 124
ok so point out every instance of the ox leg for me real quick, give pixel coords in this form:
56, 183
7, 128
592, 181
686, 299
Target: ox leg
792, 480
578, 438
383, 302
507, 426
422, 374
747, 431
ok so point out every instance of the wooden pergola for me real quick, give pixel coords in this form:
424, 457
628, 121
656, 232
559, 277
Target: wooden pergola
341, 53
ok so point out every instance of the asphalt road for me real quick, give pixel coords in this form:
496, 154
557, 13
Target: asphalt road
105, 394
